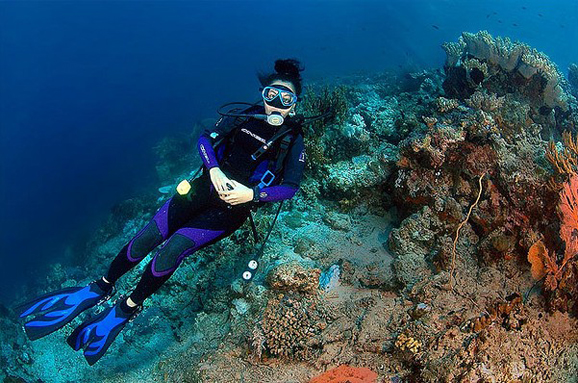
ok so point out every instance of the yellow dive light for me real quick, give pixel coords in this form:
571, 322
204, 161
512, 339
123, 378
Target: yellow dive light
184, 187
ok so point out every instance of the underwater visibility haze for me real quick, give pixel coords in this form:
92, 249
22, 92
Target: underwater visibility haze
428, 229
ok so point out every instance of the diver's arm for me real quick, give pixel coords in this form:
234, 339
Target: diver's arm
206, 151
218, 178
223, 127
292, 174
210, 158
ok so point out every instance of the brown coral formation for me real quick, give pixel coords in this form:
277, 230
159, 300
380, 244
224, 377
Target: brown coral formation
292, 276
294, 317
291, 326
444, 105
481, 100
503, 312
407, 343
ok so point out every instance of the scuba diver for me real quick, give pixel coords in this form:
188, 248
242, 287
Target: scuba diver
249, 159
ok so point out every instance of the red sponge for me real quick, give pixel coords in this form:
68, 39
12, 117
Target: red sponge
346, 374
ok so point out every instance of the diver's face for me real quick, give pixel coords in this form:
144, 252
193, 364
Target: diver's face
284, 112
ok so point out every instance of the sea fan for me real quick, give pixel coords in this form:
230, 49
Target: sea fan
544, 262
568, 208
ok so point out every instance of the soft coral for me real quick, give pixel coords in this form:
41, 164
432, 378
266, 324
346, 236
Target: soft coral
544, 262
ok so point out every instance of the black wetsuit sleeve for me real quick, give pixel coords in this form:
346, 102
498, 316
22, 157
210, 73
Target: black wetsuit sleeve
294, 165
206, 142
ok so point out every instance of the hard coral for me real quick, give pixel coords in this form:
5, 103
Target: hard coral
329, 99
446, 105
292, 276
503, 312
346, 374
482, 100
291, 324
405, 342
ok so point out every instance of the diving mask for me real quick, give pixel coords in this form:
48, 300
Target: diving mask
279, 96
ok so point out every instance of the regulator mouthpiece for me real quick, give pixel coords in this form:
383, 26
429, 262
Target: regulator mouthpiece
275, 119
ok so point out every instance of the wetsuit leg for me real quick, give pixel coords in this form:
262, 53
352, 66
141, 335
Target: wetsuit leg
171, 216
204, 229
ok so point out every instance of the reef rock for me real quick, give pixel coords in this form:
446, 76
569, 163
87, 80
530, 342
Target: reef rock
292, 276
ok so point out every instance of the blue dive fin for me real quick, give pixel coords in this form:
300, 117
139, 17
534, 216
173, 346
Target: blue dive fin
96, 335
58, 308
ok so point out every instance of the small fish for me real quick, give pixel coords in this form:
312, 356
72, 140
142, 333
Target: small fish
524, 8
488, 15
514, 25
500, 21
540, 15
435, 27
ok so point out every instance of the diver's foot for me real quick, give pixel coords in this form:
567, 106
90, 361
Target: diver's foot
96, 335
58, 308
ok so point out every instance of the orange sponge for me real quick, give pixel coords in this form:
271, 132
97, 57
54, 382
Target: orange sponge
346, 374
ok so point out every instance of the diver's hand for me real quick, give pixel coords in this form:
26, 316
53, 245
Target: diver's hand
219, 180
238, 194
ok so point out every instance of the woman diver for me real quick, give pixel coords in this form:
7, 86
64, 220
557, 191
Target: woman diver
259, 158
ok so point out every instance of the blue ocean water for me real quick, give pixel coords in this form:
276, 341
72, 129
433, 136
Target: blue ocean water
88, 87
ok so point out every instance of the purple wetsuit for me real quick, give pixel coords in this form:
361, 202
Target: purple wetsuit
188, 223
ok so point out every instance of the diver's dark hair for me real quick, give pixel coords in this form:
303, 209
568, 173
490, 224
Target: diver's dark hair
285, 70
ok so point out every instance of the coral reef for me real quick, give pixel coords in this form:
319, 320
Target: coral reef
573, 78
421, 181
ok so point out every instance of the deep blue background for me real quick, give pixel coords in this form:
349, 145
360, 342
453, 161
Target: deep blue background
87, 88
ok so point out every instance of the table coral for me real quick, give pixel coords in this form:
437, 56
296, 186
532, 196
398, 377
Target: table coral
498, 63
